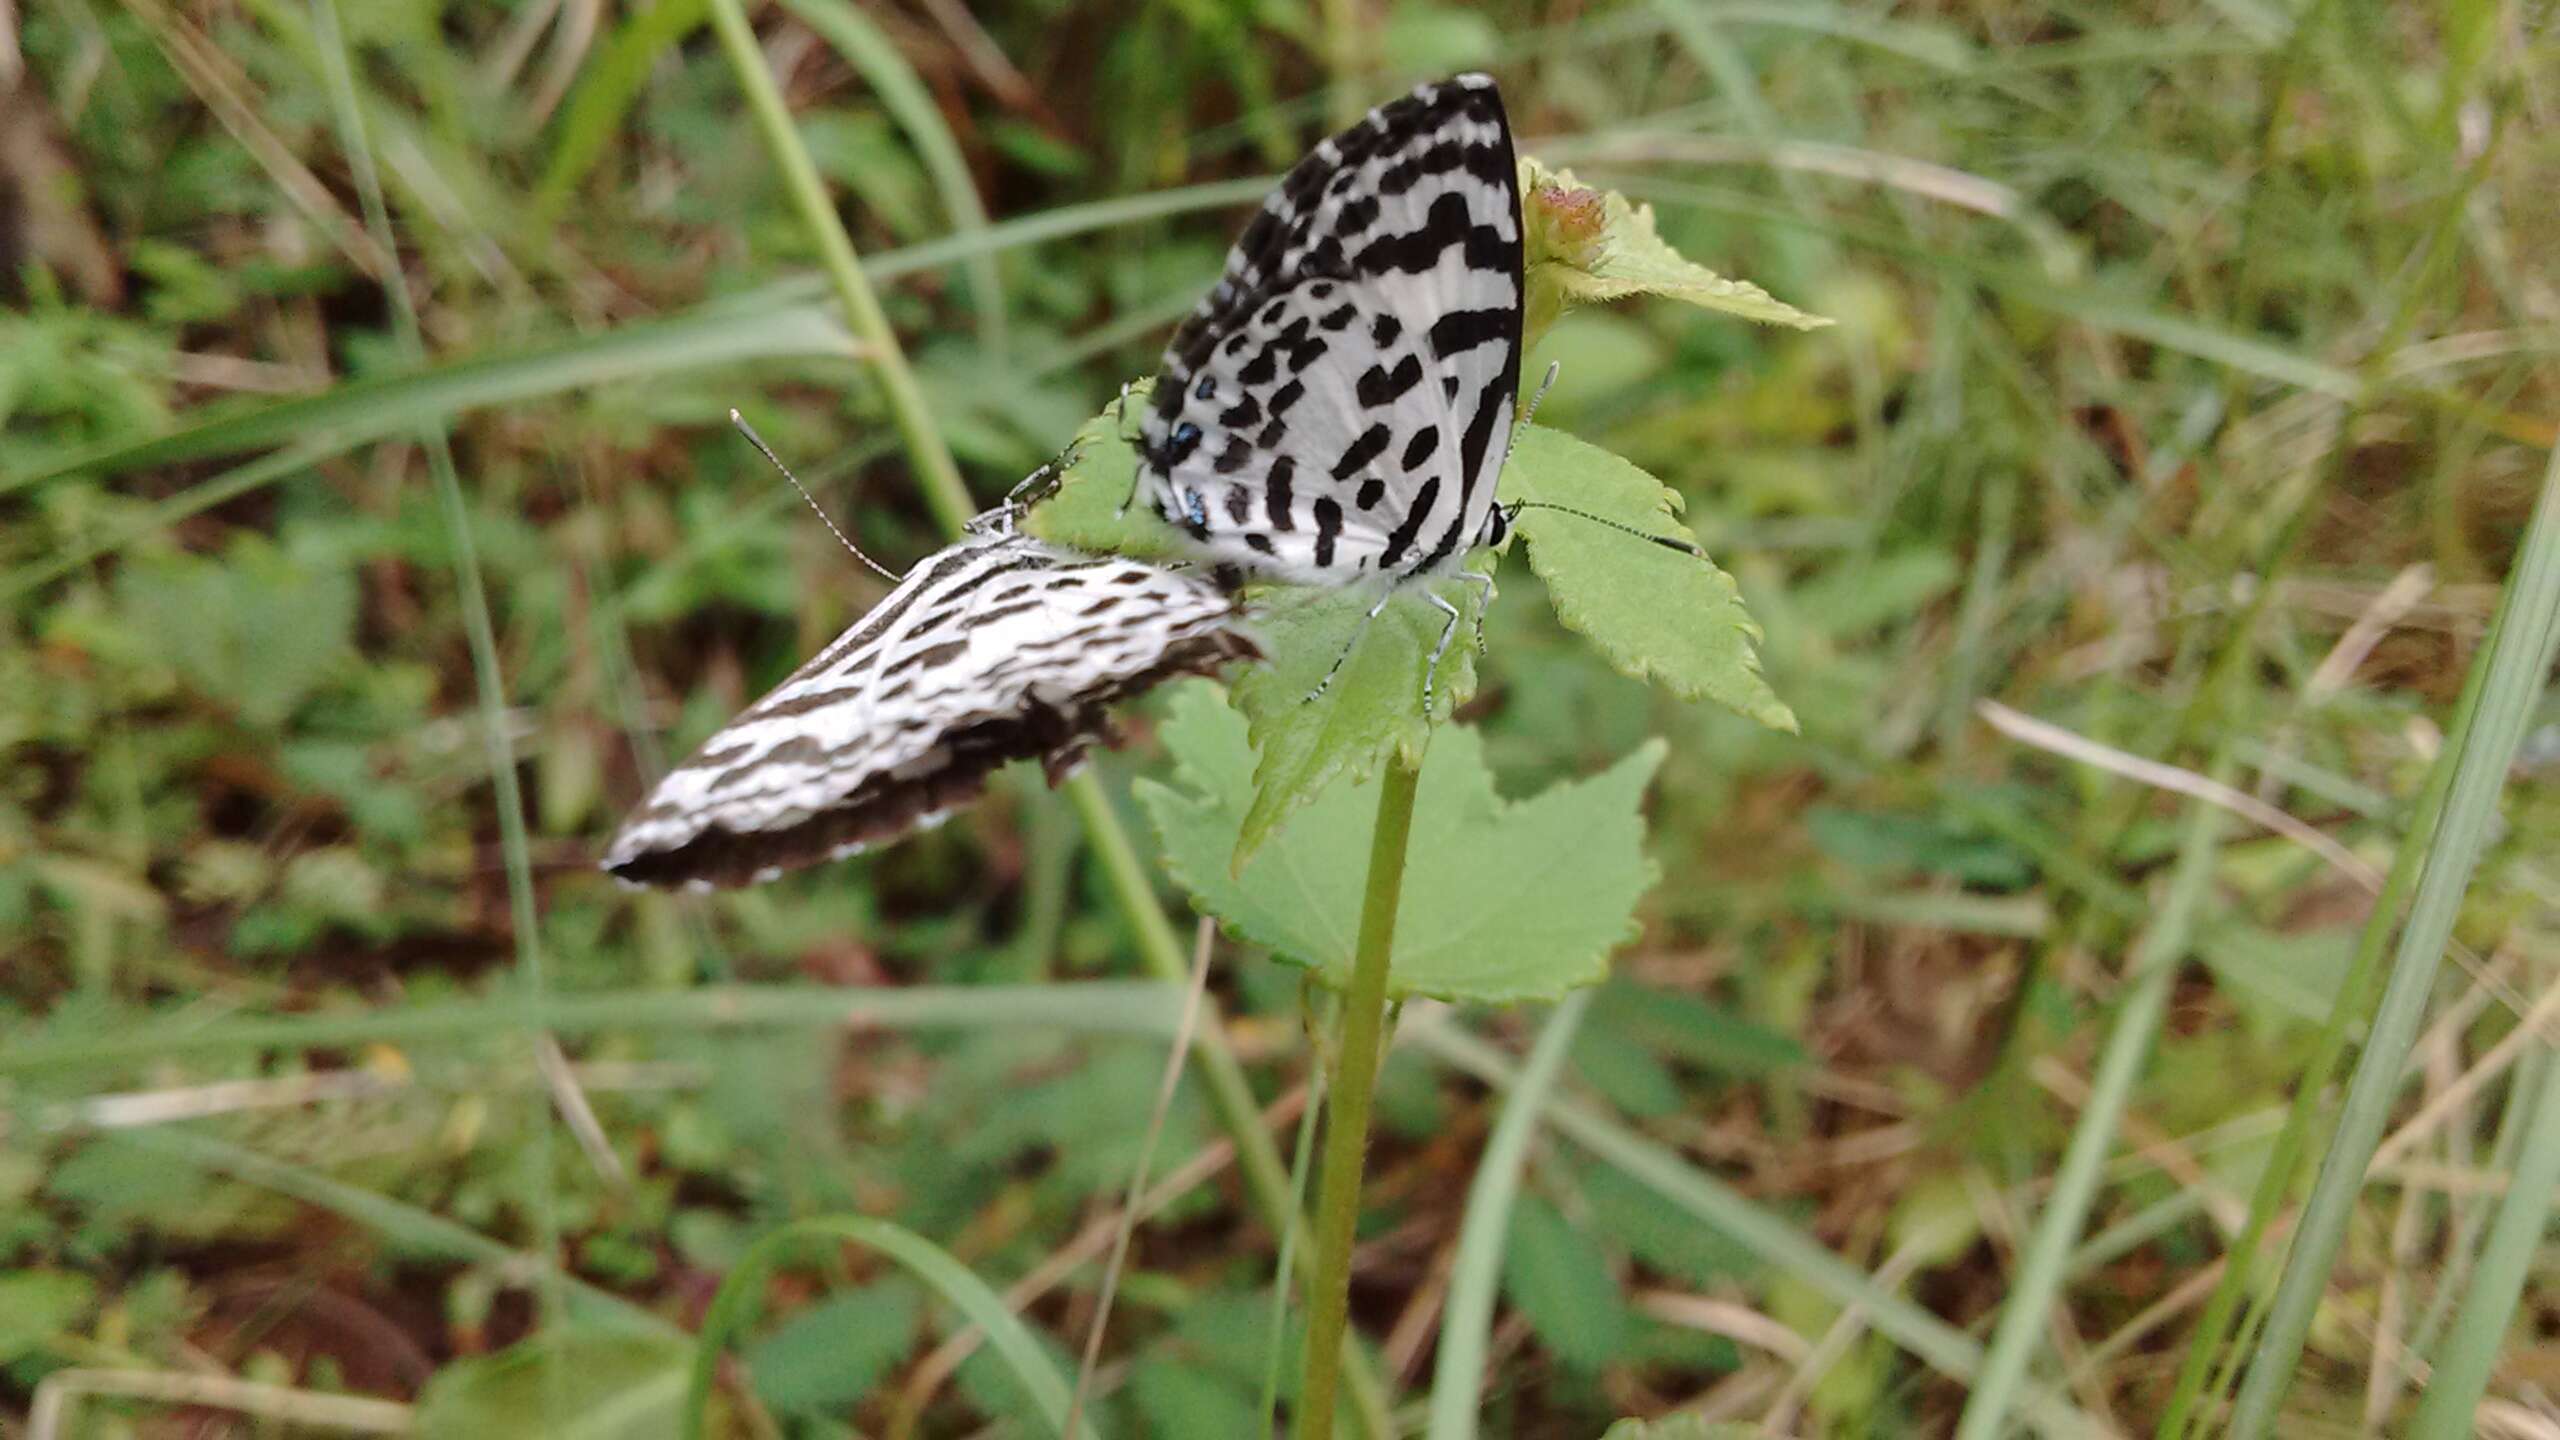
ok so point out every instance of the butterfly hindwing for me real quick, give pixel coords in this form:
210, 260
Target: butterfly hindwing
996, 649
1340, 404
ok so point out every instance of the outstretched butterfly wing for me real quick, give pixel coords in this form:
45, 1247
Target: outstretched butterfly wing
996, 649
1340, 405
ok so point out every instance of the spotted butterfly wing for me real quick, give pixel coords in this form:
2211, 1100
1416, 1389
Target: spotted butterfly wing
996, 649
1340, 405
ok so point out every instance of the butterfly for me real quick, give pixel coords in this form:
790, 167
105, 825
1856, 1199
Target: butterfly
1337, 409
1000, 647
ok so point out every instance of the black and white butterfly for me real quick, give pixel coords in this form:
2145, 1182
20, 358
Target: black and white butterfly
1337, 410
999, 648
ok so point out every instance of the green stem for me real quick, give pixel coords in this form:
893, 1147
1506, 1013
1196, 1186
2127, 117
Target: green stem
1354, 1079
943, 488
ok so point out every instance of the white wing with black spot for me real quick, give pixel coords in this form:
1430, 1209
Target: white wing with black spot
996, 649
1341, 403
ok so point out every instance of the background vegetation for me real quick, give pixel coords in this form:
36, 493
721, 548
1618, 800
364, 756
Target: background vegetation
2192, 386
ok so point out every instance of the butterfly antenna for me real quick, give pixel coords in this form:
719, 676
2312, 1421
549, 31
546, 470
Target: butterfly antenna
1554, 369
1667, 542
841, 538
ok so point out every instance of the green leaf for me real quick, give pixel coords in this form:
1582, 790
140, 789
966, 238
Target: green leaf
1559, 1277
1903, 843
573, 1384
1096, 478
831, 1354
1663, 1238
1504, 901
1371, 708
36, 1305
1178, 1397
1588, 246
257, 629
1687, 1028
1656, 613
2274, 977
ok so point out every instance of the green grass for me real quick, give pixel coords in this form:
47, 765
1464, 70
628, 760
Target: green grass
339, 621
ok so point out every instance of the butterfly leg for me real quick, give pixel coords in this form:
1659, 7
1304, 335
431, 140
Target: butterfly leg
1356, 636
1486, 581
1431, 672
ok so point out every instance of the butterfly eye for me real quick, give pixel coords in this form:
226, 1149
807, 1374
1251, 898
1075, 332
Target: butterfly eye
1207, 389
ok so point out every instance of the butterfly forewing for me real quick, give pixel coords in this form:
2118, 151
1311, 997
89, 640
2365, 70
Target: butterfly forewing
999, 648
1340, 405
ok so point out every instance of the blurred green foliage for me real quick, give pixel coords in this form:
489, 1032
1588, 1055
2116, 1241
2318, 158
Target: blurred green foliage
2143, 313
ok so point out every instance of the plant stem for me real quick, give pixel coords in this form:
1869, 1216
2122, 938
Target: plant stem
1354, 1079
943, 488
1230, 1094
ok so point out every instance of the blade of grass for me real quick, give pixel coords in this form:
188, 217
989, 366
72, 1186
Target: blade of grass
1100, 1007
2303, 1115
1301, 1162
2521, 657
50, 1416
1695, 29
457, 211
488, 682
1230, 1094
2488, 1306
230, 485
2039, 1277
351, 414
894, 81
1458, 1372
944, 490
605, 94
928, 1262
